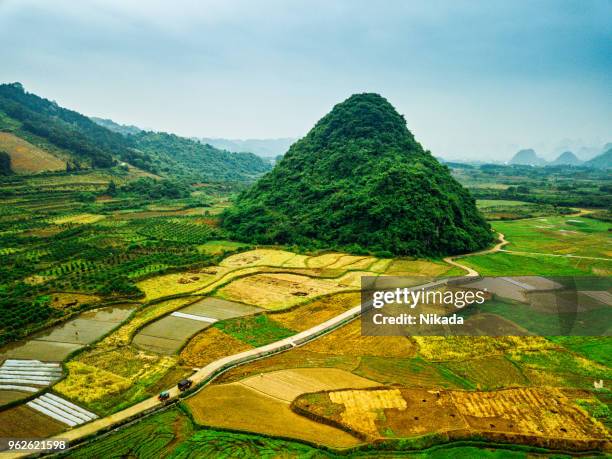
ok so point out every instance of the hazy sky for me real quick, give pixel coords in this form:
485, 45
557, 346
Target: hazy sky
473, 78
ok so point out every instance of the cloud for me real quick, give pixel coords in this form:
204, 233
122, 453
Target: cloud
472, 78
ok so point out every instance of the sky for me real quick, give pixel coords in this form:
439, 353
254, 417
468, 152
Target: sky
474, 79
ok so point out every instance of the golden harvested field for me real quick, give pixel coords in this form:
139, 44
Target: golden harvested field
62, 300
27, 158
79, 219
325, 260
528, 411
318, 311
237, 407
24, 422
344, 349
348, 340
441, 348
277, 291
209, 345
183, 282
526, 415
352, 262
258, 257
363, 408
88, 383
416, 268
96, 376
289, 384
352, 279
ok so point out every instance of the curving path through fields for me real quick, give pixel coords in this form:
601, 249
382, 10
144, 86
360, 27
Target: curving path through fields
472, 272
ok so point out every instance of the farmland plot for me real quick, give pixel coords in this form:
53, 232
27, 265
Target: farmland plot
545, 417
56, 343
168, 334
261, 404
277, 291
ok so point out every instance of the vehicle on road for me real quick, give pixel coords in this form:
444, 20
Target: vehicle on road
163, 396
184, 384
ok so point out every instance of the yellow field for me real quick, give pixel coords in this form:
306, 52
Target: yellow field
237, 407
316, 312
97, 375
416, 268
175, 283
27, 158
442, 348
276, 291
325, 260
536, 416
80, 219
87, 383
363, 408
289, 384
348, 340
209, 345
259, 257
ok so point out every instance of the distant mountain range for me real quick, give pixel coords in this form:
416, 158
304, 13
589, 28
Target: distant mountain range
567, 158
267, 148
38, 135
603, 161
116, 127
529, 157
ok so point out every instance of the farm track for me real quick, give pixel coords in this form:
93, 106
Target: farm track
472, 272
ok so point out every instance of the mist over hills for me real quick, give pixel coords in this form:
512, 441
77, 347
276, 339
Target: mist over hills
566, 158
267, 148
360, 181
527, 157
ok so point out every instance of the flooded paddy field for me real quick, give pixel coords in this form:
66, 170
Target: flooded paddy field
55, 343
168, 334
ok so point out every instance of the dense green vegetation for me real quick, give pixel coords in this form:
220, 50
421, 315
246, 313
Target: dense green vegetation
256, 330
90, 144
64, 128
5, 163
56, 236
360, 181
499, 209
174, 155
558, 186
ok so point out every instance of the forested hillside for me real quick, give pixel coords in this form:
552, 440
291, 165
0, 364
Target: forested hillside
36, 126
360, 181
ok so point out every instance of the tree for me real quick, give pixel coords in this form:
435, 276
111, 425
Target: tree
5, 163
111, 189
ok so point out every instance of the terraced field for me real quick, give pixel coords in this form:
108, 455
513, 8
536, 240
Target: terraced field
541, 417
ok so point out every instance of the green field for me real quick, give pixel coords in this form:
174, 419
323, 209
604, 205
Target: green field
256, 330
171, 434
576, 236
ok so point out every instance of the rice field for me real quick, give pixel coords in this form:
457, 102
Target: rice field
278, 291
533, 416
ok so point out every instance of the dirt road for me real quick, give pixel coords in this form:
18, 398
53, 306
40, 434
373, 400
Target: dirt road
472, 272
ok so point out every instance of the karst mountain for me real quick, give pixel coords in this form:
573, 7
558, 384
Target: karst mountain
359, 181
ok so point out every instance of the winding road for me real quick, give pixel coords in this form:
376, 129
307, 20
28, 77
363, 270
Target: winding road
470, 271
